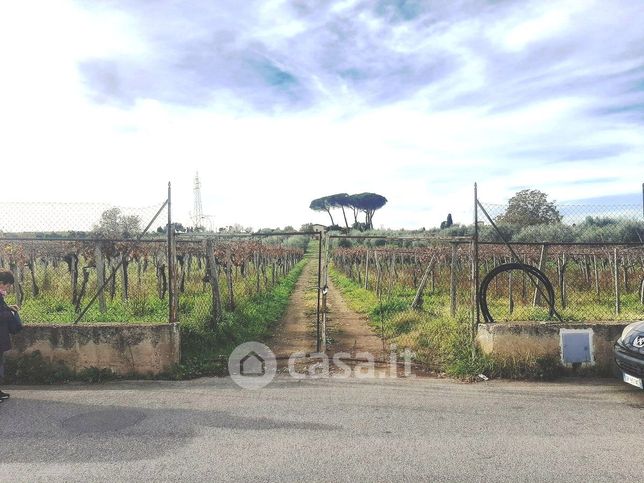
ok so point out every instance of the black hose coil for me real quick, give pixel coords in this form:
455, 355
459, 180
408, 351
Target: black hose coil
506, 267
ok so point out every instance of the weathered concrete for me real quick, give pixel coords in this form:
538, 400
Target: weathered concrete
125, 349
535, 339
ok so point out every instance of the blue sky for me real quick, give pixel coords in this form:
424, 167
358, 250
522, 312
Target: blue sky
278, 102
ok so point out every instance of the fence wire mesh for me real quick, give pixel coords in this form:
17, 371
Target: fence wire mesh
593, 256
410, 289
245, 269
62, 253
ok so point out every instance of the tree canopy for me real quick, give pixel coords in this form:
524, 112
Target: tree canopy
530, 207
447, 223
322, 204
366, 203
113, 224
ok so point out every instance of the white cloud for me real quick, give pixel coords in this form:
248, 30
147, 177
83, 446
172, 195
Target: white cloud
431, 107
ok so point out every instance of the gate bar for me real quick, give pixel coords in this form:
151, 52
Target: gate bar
317, 312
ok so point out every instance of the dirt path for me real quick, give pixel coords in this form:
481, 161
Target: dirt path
297, 330
347, 331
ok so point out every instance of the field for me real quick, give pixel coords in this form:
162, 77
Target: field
590, 282
421, 297
55, 280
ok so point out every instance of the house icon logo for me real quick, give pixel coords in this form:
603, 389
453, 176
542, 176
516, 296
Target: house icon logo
252, 365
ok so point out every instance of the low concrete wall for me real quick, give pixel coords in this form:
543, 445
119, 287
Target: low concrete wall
125, 349
534, 339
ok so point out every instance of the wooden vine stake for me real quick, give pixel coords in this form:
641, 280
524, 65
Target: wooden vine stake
100, 278
510, 293
452, 282
616, 277
366, 271
229, 279
596, 275
542, 263
418, 299
213, 277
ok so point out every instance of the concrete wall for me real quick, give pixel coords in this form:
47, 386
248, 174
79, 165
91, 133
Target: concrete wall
126, 349
534, 339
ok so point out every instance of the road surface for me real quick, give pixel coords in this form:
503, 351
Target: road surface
324, 430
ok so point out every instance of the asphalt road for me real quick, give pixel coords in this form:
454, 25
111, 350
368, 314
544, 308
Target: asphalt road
324, 430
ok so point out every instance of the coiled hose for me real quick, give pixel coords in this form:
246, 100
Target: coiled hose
506, 267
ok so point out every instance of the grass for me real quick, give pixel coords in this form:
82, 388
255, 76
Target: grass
52, 302
437, 339
204, 351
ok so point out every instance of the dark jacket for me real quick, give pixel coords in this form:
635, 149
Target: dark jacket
5, 316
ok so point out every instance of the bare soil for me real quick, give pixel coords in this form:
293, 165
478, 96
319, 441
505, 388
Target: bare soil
297, 329
347, 331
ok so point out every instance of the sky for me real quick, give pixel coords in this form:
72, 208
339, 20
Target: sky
277, 102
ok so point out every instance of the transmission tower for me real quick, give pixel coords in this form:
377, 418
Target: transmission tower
197, 213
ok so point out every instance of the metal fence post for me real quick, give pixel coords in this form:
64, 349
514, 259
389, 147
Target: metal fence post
317, 346
172, 305
476, 257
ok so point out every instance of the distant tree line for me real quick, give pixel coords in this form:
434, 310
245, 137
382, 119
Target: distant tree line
530, 217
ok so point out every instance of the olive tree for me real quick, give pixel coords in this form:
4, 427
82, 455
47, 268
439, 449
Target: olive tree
530, 207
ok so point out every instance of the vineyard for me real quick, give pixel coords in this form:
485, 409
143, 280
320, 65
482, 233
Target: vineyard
407, 286
55, 279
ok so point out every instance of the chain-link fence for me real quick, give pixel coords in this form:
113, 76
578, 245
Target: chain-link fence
56, 279
62, 254
409, 288
217, 274
592, 259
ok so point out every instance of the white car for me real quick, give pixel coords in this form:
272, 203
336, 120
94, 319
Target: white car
629, 354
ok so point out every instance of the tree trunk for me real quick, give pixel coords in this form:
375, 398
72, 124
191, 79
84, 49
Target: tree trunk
330, 216
346, 223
